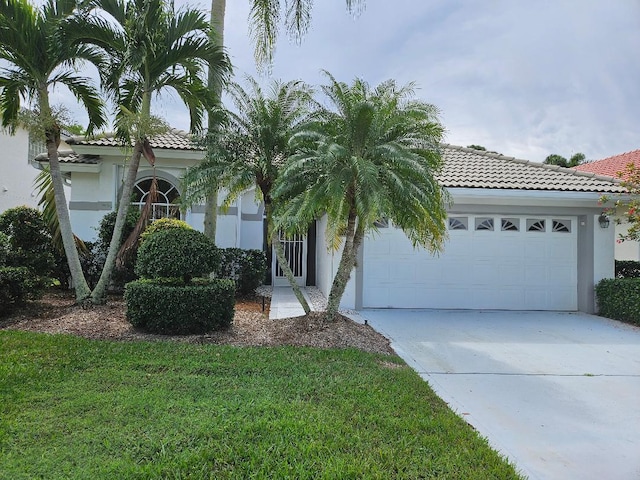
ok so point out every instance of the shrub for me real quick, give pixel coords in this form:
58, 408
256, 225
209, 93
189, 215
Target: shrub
627, 269
164, 224
5, 246
29, 240
619, 298
17, 284
159, 306
245, 267
97, 256
177, 252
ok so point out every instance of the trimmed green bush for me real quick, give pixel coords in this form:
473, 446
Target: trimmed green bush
29, 240
159, 306
627, 269
619, 298
17, 284
245, 267
177, 253
164, 224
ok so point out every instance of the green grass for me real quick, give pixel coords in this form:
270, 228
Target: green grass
74, 408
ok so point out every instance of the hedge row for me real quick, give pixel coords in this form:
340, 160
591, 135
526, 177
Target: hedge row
173, 308
619, 298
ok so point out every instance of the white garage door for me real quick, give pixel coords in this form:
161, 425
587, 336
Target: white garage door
489, 262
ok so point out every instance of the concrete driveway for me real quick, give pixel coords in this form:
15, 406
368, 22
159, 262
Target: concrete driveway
557, 393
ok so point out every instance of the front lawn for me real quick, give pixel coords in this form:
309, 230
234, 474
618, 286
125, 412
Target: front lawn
76, 408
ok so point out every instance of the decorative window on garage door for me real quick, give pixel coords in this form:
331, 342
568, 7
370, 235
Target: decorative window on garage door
483, 223
510, 224
458, 223
561, 226
535, 225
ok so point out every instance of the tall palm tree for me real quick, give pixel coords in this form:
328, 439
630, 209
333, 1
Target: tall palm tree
373, 156
252, 148
154, 47
35, 44
264, 23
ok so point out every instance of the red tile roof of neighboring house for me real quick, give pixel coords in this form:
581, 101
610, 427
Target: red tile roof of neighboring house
611, 166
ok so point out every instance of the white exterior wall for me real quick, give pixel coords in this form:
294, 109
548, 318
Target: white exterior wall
95, 191
629, 249
603, 251
16, 173
251, 225
327, 262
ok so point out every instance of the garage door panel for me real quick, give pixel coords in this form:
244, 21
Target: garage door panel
478, 269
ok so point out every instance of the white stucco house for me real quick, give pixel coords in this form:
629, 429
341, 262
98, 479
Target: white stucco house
522, 235
16, 171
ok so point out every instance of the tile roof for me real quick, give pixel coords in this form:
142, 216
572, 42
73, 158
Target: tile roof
611, 166
173, 139
463, 168
69, 156
469, 168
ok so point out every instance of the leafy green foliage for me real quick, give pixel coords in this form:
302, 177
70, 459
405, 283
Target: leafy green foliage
17, 284
619, 299
94, 261
555, 159
165, 307
5, 247
178, 410
627, 208
247, 268
29, 240
164, 224
177, 253
627, 269
374, 153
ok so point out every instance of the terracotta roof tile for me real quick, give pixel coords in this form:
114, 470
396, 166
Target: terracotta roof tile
612, 166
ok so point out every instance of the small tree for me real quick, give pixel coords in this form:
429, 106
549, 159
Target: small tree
374, 155
629, 208
559, 160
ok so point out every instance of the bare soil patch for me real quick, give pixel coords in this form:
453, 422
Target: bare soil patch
57, 312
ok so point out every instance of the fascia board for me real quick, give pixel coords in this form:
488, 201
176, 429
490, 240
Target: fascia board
484, 196
117, 151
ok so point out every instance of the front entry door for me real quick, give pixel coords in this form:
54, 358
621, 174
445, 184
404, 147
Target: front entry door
295, 251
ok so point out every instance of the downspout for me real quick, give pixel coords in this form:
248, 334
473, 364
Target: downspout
239, 221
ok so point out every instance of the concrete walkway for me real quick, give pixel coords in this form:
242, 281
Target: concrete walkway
557, 393
284, 303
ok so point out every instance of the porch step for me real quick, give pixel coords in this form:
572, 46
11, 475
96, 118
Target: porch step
284, 303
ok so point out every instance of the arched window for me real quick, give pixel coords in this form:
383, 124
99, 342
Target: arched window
167, 201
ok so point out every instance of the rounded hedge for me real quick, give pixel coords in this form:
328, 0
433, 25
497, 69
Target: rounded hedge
177, 253
164, 224
157, 306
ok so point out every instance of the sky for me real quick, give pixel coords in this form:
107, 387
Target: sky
525, 79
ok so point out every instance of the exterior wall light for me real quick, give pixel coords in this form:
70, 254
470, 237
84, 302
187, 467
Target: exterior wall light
603, 220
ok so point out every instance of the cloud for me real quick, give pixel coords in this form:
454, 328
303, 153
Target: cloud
523, 78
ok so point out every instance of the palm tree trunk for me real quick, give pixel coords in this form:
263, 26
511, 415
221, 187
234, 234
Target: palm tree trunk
73, 260
286, 269
218, 8
99, 292
282, 260
353, 239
